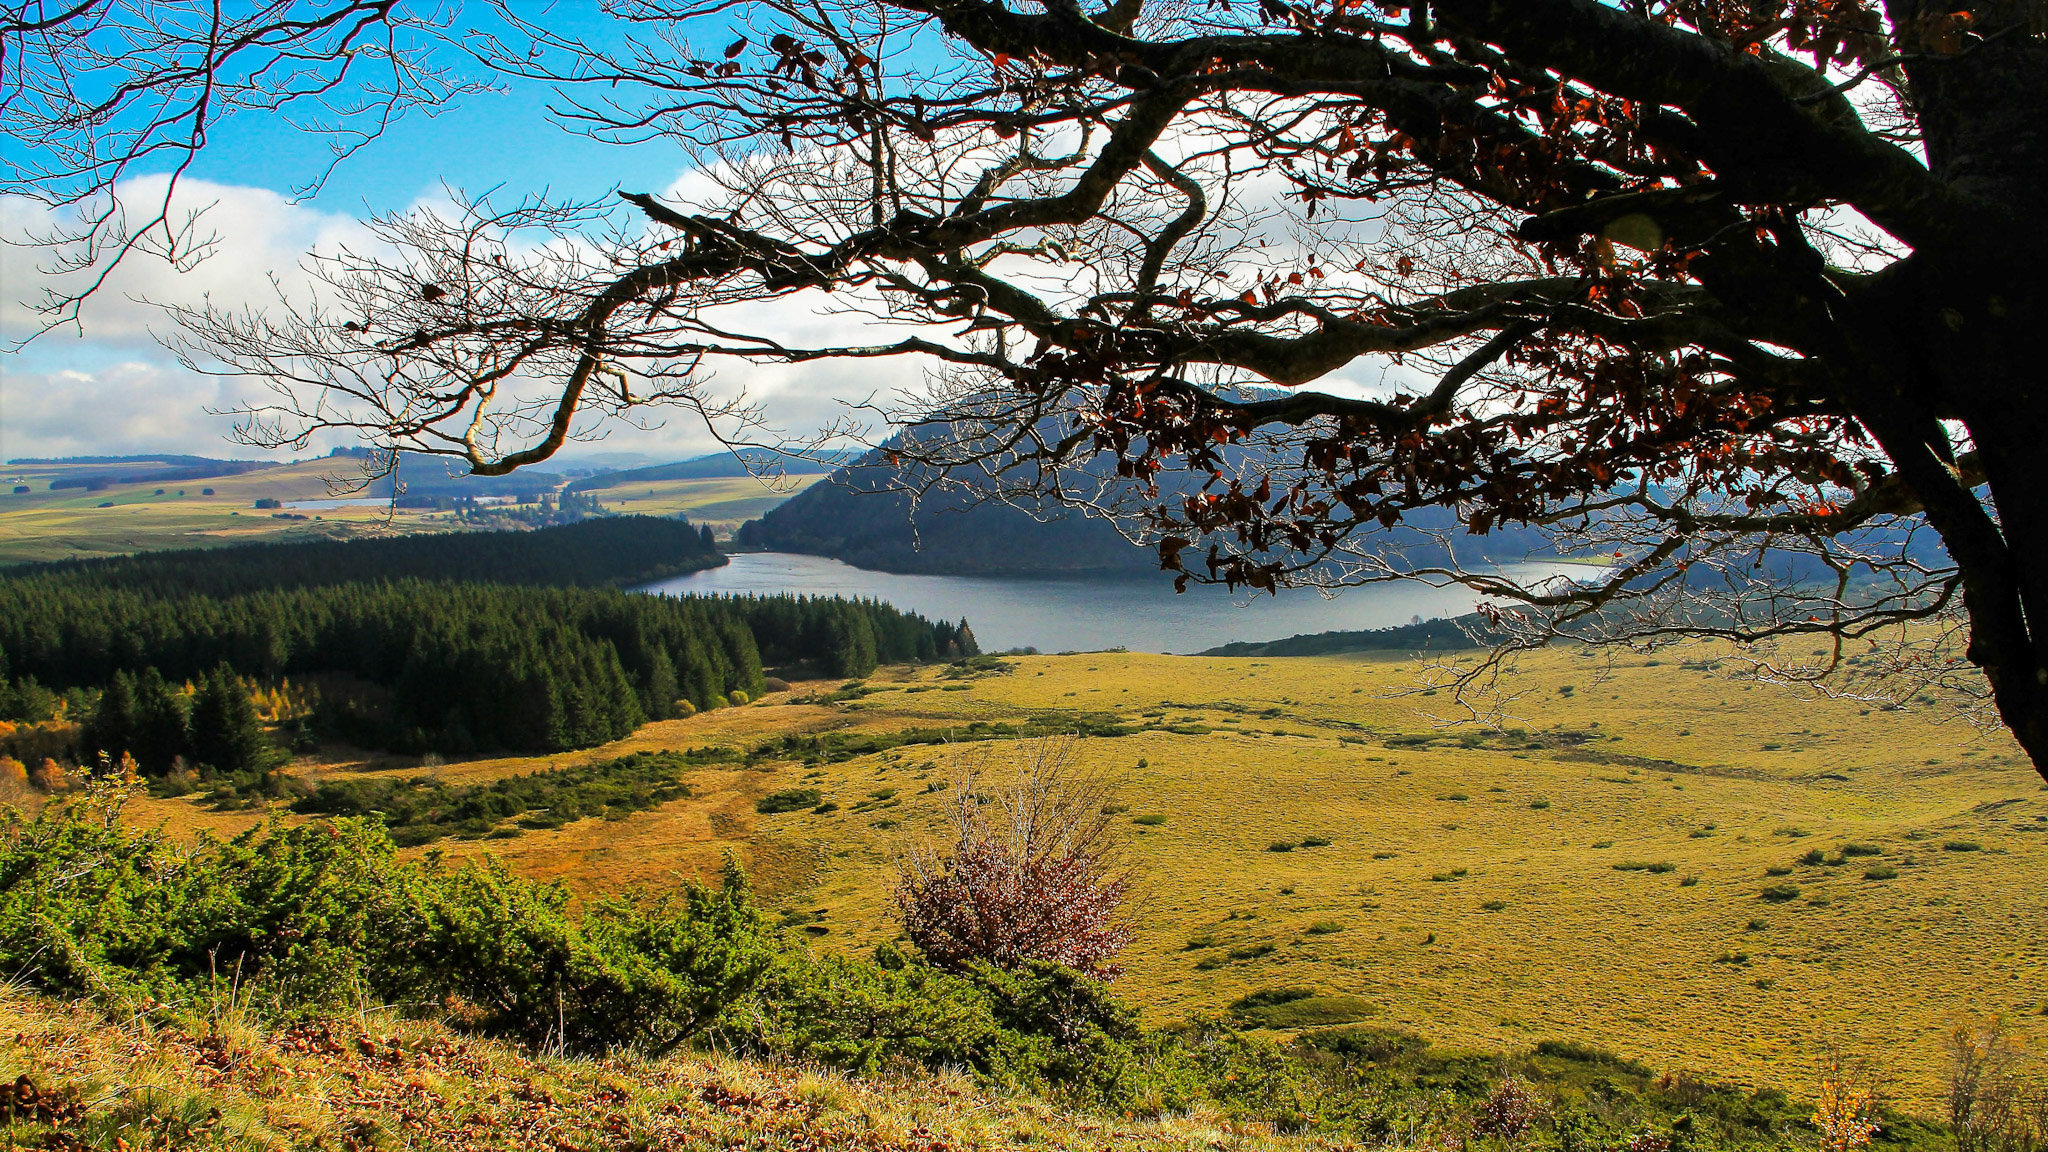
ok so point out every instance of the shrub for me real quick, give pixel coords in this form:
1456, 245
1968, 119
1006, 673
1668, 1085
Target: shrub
1779, 893
788, 800
1280, 846
307, 917
1494, 905
1658, 866
1539, 805
1862, 850
1367, 1044
1961, 846
1297, 1007
1029, 877
736, 697
1813, 856
1040, 1028
1880, 872
1315, 842
1325, 927
1149, 820
1250, 952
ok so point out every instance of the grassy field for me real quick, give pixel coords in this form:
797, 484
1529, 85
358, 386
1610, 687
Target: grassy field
72, 522
1625, 871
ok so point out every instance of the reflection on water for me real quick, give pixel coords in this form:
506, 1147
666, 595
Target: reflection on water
1078, 615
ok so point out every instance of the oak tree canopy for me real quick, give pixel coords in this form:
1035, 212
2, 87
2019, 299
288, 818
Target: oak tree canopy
1741, 296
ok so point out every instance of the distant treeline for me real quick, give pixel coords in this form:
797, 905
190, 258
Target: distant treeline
1425, 636
611, 550
425, 665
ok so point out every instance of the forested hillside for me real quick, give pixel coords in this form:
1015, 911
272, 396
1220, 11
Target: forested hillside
437, 660
855, 517
859, 516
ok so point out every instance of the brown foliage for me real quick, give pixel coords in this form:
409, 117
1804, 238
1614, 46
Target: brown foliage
1029, 873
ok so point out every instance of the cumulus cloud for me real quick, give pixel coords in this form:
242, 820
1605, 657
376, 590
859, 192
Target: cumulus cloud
113, 388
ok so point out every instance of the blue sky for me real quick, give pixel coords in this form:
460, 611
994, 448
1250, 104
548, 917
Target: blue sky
116, 390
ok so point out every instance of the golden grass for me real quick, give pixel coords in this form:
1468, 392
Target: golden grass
1487, 921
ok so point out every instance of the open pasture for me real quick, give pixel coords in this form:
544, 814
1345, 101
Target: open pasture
1655, 858
80, 523
723, 503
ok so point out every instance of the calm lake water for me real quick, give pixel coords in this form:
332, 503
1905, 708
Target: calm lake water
1079, 615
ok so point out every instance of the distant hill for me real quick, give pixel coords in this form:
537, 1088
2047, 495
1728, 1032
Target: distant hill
716, 466
1423, 636
98, 473
424, 474
857, 518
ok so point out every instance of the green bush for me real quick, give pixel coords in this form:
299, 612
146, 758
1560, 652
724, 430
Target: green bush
1779, 893
1149, 820
1041, 1028
1880, 872
788, 800
324, 915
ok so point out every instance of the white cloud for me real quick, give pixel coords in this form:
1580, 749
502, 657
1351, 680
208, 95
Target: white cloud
115, 389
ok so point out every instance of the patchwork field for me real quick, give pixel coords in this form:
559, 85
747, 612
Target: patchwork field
67, 523
1655, 857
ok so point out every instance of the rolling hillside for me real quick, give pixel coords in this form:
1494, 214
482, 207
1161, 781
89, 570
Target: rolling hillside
1653, 857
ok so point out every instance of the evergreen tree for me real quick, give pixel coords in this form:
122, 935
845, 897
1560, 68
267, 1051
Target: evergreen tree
704, 534
112, 728
853, 643
226, 734
161, 719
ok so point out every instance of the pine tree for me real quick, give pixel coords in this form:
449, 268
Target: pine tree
704, 534
853, 642
160, 733
226, 734
111, 731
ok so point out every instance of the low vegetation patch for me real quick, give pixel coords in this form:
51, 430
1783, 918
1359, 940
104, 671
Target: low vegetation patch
421, 809
788, 800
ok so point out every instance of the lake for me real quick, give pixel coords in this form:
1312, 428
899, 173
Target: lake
1080, 615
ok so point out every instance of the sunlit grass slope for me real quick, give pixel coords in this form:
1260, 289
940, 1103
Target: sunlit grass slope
377, 1082
1625, 871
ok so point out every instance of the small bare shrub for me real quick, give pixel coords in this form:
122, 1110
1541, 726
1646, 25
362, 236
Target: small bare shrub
1508, 1111
1997, 1098
1030, 875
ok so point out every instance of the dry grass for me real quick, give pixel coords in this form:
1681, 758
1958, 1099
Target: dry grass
374, 1082
1490, 921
